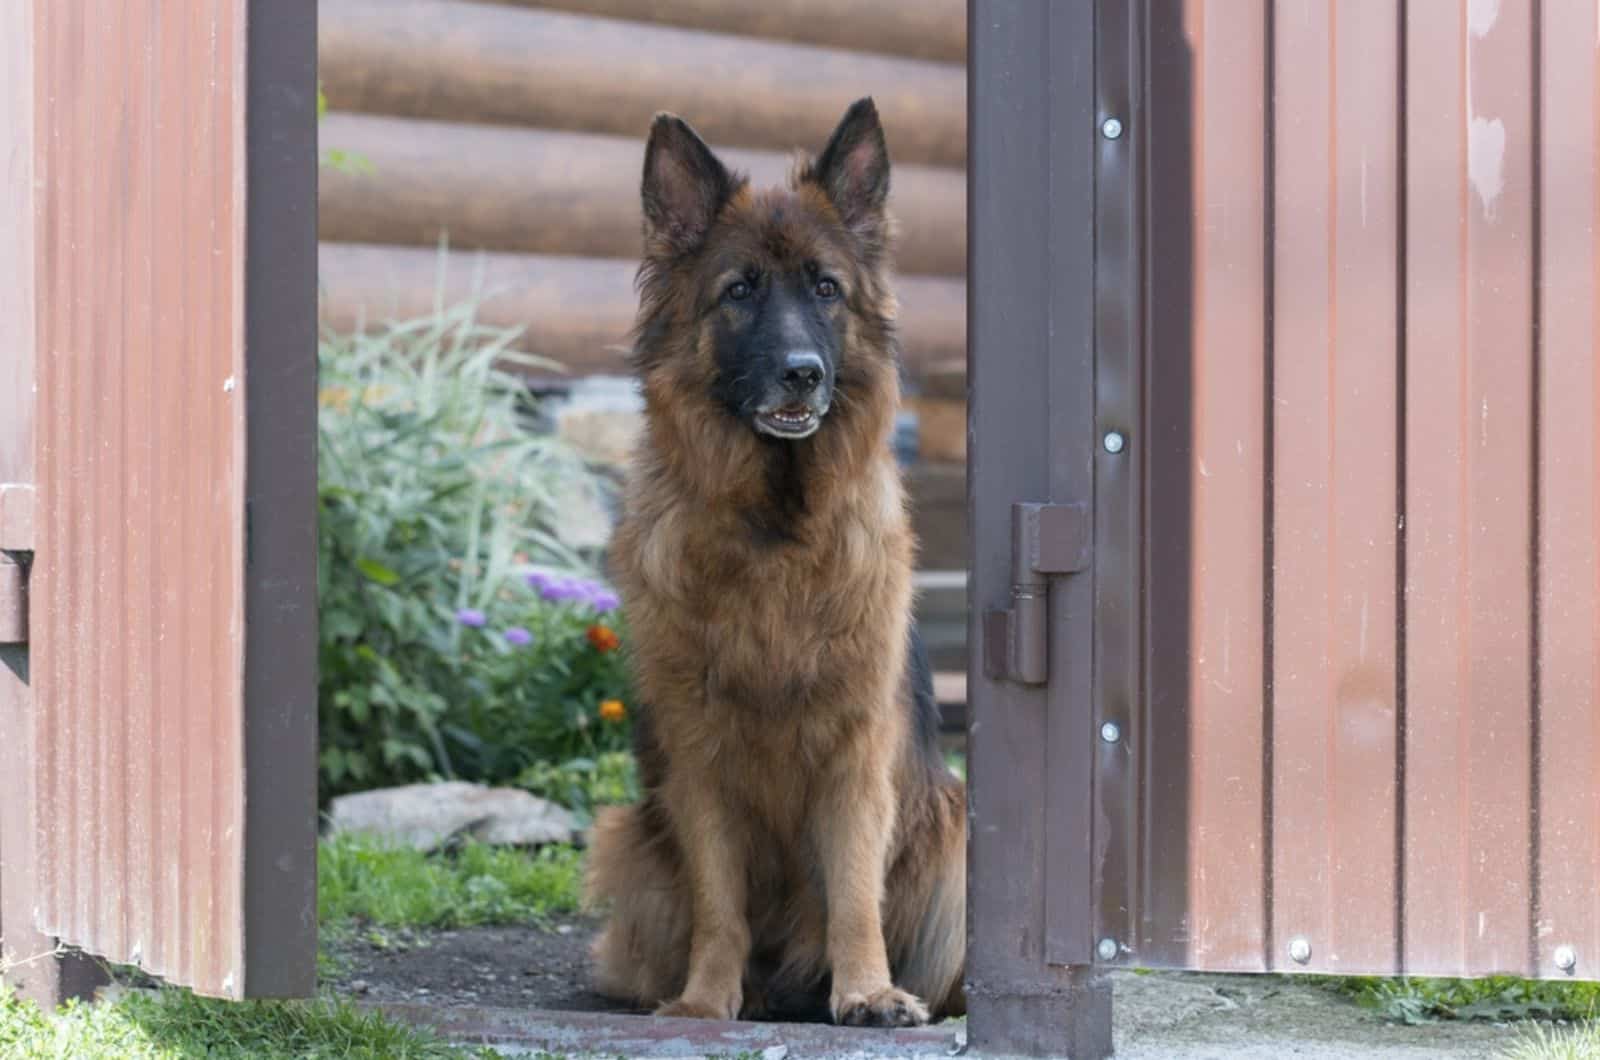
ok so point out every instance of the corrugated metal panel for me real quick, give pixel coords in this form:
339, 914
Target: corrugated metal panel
16, 244
1567, 663
1379, 693
1333, 468
137, 632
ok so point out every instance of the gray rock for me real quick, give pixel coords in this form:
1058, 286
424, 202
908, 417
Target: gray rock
601, 418
585, 517
424, 816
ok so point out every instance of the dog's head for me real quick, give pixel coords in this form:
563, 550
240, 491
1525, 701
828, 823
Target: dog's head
763, 299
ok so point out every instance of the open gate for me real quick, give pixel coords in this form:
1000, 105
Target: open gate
1288, 310
157, 492
1285, 483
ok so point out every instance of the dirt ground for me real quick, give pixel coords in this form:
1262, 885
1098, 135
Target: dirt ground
1165, 1016
492, 967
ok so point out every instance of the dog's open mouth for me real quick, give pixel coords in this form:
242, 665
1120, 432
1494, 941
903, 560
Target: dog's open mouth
788, 421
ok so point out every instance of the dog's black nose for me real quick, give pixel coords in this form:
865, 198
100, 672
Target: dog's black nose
802, 372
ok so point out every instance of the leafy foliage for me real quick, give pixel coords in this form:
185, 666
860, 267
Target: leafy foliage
449, 647
1499, 998
585, 784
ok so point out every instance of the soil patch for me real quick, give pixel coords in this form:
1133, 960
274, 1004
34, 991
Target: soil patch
521, 966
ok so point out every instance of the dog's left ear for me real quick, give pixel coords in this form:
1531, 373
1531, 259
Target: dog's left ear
854, 169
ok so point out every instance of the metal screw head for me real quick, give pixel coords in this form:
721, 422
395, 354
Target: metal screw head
1566, 958
1108, 949
1111, 128
1299, 950
1110, 732
1114, 441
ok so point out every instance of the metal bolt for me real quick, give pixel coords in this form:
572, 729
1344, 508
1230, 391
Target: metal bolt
1111, 128
1110, 732
1114, 441
1108, 949
1299, 950
1566, 958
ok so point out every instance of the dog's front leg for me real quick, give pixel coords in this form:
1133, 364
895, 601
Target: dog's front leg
719, 944
854, 831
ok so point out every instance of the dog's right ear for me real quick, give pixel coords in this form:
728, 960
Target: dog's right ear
684, 187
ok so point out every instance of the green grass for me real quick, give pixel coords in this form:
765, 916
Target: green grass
1501, 998
363, 882
1579, 1041
173, 1024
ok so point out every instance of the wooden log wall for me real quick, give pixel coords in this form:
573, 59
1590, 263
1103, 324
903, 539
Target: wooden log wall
513, 131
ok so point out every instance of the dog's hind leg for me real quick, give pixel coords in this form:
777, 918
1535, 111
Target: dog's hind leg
642, 955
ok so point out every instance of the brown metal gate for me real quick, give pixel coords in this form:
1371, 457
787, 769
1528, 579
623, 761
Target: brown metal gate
158, 473
1299, 298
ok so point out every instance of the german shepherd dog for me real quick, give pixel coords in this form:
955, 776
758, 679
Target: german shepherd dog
800, 847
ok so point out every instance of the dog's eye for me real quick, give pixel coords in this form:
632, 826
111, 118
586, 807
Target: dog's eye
739, 290
826, 288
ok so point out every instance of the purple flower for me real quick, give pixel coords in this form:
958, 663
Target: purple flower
557, 588
518, 636
471, 616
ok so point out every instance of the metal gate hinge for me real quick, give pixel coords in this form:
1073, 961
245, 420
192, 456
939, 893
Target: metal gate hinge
16, 517
13, 602
1046, 539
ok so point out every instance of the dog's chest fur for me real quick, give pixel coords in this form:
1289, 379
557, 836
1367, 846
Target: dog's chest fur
776, 645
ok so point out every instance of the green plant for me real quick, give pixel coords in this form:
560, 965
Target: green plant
546, 680
449, 647
1580, 1041
336, 157
585, 784
360, 880
1500, 998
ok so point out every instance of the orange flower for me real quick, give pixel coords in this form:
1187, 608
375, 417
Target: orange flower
612, 710
604, 638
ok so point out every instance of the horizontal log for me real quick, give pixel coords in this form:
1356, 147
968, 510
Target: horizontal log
493, 63
577, 311
916, 29
941, 427
538, 191
938, 492
946, 380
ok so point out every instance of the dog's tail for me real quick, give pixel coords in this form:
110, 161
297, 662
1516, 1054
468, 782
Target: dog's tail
633, 874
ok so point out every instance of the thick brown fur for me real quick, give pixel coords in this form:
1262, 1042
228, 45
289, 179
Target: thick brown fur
800, 847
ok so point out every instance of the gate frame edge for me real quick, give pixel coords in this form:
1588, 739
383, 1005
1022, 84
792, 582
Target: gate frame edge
1031, 162
280, 579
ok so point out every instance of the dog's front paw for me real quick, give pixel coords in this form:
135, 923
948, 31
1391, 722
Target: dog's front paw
702, 1008
890, 1007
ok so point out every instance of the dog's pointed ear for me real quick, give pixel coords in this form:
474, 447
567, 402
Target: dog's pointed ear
684, 187
854, 168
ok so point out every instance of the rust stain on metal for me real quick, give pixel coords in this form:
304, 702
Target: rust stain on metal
137, 638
